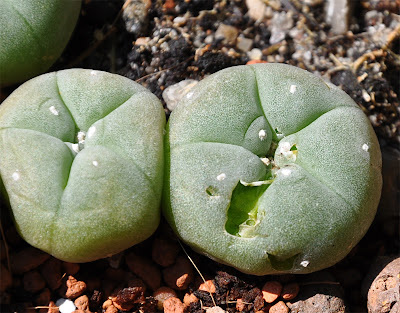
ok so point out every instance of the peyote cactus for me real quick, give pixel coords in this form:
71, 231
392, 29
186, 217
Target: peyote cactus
270, 170
33, 35
81, 159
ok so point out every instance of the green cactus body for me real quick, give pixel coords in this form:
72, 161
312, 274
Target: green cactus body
270, 170
81, 159
33, 35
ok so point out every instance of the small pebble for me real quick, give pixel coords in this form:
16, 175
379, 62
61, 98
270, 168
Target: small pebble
240, 306
208, 286
33, 281
215, 309
244, 44
82, 303
70, 268
164, 252
162, 294
52, 308
256, 9
75, 287
106, 304
228, 33
43, 297
145, 269
255, 62
65, 305
290, 291
52, 273
142, 41
5, 278
111, 309
174, 93
27, 259
180, 20
179, 275
280, 25
173, 305
255, 54
271, 291
279, 307
189, 298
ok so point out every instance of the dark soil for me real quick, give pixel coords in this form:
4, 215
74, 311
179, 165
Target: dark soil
175, 40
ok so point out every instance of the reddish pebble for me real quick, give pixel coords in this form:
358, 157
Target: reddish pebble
169, 5
75, 288
52, 273
290, 291
255, 62
33, 281
189, 298
179, 275
107, 303
43, 297
173, 305
145, 269
208, 286
111, 309
279, 307
52, 308
3, 252
70, 268
82, 303
5, 278
271, 291
162, 294
27, 260
240, 306
164, 252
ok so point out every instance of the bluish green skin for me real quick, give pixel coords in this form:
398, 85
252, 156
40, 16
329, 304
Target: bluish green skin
318, 206
33, 35
87, 205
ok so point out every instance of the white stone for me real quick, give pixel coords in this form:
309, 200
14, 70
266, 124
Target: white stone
180, 20
365, 147
95, 163
293, 88
221, 176
256, 9
93, 73
65, 305
255, 54
304, 263
53, 110
174, 93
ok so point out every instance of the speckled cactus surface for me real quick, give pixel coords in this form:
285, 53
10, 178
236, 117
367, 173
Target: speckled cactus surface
270, 170
33, 35
81, 159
